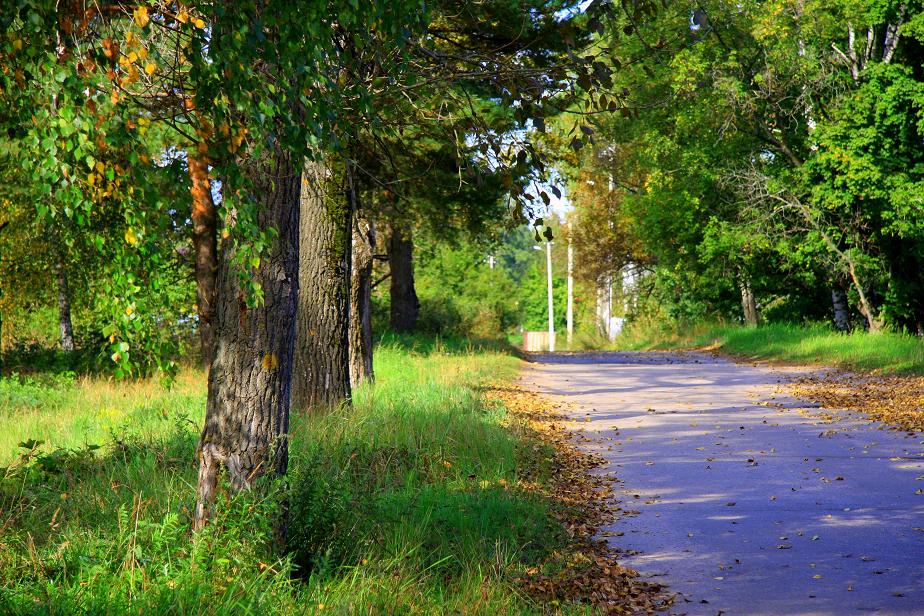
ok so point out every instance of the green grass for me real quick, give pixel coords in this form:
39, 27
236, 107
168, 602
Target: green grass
406, 503
888, 353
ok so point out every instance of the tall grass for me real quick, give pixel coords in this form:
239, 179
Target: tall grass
813, 344
405, 503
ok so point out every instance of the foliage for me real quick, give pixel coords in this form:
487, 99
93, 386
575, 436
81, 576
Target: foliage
460, 293
417, 499
760, 146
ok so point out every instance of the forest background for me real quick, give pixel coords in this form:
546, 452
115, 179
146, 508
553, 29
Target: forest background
276, 195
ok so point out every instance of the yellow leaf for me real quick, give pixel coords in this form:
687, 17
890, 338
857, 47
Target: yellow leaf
182, 16
141, 16
199, 23
270, 361
132, 57
130, 237
149, 68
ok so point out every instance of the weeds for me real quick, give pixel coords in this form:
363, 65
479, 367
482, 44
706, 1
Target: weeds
411, 501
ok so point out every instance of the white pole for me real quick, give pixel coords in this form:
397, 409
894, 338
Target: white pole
548, 260
570, 289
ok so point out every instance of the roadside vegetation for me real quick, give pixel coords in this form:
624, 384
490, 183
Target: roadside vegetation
819, 344
407, 502
426, 496
349, 254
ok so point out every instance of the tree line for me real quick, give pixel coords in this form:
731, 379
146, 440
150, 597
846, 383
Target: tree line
767, 161
256, 159
241, 157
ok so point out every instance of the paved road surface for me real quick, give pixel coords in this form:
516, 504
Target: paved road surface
748, 503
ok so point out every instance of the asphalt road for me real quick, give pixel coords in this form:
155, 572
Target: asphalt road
747, 501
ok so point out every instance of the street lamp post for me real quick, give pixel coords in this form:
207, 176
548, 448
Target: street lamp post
570, 290
548, 260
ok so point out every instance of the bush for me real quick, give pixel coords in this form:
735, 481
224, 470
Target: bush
461, 295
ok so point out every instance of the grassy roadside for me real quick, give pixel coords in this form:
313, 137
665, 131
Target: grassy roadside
427, 496
885, 353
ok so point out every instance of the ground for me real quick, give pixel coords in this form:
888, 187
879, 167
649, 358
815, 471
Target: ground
747, 500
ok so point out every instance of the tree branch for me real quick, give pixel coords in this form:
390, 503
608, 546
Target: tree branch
891, 35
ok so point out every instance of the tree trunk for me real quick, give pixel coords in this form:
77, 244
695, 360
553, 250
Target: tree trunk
841, 313
2, 227
405, 307
361, 302
873, 321
748, 303
247, 412
605, 306
205, 244
65, 325
321, 376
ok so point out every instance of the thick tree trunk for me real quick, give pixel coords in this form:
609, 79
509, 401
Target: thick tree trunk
841, 312
247, 412
405, 307
205, 244
321, 376
2, 227
748, 303
65, 326
361, 302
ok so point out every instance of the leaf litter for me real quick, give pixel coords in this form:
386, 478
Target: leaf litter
589, 573
895, 400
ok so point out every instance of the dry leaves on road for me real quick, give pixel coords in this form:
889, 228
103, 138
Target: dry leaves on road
589, 573
894, 400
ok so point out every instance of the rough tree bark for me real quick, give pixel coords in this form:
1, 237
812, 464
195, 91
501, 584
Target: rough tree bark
841, 313
361, 301
205, 244
321, 376
65, 325
405, 307
247, 412
748, 303
2, 227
